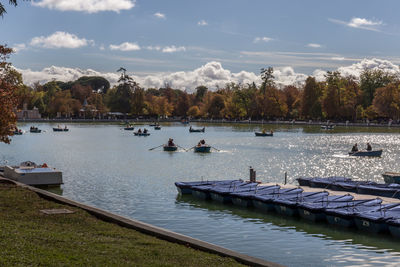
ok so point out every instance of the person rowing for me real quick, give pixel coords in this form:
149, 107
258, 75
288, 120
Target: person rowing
369, 147
201, 143
171, 142
354, 148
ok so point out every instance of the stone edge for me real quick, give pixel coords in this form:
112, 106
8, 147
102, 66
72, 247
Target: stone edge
150, 229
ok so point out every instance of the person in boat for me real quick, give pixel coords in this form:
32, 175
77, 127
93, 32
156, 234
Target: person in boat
369, 147
190, 128
65, 127
355, 148
139, 131
145, 130
263, 131
201, 143
272, 132
171, 142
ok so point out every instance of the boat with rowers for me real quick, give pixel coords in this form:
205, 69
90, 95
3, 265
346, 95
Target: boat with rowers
34, 129
202, 147
170, 146
140, 133
264, 133
60, 129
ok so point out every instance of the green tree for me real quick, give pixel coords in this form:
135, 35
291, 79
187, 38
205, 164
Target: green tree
311, 101
267, 78
370, 80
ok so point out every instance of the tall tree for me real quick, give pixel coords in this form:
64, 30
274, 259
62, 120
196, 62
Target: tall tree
10, 80
370, 80
311, 102
267, 78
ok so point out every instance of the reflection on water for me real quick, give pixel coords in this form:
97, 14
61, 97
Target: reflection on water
109, 168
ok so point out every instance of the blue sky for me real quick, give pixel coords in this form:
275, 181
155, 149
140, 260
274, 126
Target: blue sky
149, 37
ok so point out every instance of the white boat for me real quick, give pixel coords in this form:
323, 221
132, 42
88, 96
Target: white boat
31, 174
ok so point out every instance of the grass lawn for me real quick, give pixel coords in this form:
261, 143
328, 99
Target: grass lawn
30, 238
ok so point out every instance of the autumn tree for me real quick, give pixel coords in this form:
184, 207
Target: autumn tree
10, 80
387, 101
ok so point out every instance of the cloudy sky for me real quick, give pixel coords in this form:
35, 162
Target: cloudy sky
186, 43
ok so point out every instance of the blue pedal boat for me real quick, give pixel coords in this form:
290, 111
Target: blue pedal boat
203, 191
315, 211
384, 190
185, 188
245, 199
288, 205
374, 221
374, 153
223, 194
266, 202
344, 215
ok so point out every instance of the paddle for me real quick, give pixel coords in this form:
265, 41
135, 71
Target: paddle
215, 148
181, 147
190, 148
156, 147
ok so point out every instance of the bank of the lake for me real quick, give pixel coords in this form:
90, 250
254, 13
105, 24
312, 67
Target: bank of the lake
32, 238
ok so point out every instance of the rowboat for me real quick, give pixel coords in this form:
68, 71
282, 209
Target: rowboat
141, 134
35, 130
129, 128
17, 132
170, 148
202, 130
375, 153
391, 177
263, 134
327, 127
202, 149
158, 127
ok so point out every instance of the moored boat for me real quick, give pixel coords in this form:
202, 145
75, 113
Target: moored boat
391, 177
186, 187
245, 199
223, 194
374, 153
288, 205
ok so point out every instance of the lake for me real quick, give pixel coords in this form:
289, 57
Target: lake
109, 168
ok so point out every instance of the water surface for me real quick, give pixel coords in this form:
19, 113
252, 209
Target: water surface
109, 168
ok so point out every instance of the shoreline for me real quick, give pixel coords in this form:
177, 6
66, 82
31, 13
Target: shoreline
211, 121
145, 228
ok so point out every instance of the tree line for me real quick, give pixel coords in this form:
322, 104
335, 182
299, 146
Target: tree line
375, 94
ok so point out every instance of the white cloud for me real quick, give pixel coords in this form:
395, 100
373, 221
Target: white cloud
160, 15
19, 47
212, 74
262, 39
157, 48
62, 74
89, 6
173, 49
360, 23
202, 23
126, 46
313, 45
101, 47
60, 40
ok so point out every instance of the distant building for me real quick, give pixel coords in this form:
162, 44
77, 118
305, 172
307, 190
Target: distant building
26, 113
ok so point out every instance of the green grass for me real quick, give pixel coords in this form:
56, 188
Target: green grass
31, 238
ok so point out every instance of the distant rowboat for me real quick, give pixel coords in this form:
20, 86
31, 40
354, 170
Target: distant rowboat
375, 153
202, 130
264, 134
141, 134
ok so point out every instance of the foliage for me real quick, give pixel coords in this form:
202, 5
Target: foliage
10, 81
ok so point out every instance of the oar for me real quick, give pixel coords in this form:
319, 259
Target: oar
190, 148
215, 148
181, 147
156, 147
